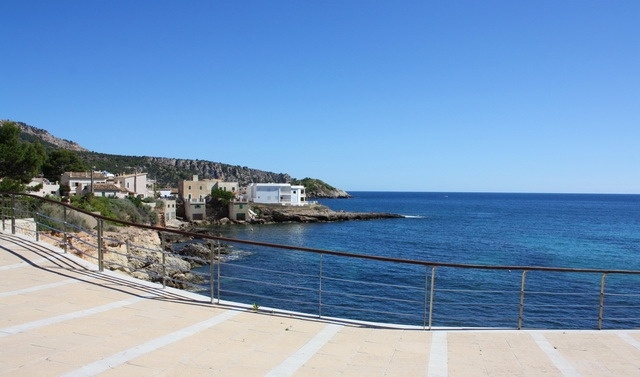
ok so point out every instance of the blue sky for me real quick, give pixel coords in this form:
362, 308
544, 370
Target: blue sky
498, 96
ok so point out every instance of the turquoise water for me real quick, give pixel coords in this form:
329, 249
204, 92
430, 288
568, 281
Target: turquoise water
549, 230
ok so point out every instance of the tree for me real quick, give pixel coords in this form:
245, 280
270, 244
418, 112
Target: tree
60, 161
19, 161
222, 196
220, 202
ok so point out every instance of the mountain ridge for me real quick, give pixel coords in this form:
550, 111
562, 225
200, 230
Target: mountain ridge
166, 171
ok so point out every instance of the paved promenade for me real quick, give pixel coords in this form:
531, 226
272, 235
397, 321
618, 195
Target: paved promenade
60, 317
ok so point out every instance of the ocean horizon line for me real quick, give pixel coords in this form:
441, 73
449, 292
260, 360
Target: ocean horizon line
490, 192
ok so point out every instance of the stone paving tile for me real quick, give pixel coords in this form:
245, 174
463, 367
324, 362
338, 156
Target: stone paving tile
499, 353
156, 333
597, 353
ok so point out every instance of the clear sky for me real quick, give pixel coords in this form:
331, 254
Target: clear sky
499, 96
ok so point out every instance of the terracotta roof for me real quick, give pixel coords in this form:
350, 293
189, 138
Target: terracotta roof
107, 187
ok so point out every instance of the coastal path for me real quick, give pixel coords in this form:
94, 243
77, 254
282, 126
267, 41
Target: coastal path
60, 316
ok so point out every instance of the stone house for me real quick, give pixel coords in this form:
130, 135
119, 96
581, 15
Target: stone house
80, 182
137, 184
195, 192
109, 190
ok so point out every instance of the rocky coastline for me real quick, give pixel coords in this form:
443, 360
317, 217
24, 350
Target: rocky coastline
138, 252
310, 214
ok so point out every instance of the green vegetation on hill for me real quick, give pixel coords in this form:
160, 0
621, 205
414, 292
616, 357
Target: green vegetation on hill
130, 209
64, 155
312, 184
19, 161
318, 189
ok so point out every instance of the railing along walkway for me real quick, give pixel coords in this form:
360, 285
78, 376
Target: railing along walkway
60, 316
326, 283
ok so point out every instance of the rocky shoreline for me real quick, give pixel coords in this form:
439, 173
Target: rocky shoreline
312, 213
270, 214
138, 251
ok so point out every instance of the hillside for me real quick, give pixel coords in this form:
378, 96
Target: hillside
169, 171
33, 134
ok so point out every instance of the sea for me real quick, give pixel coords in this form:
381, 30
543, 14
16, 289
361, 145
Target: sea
568, 231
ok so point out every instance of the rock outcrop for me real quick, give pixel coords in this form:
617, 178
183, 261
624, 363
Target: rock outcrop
44, 136
134, 251
312, 213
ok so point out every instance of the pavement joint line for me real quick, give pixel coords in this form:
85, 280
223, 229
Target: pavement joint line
127, 355
629, 339
23, 264
563, 365
438, 355
66, 317
289, 366
39, 288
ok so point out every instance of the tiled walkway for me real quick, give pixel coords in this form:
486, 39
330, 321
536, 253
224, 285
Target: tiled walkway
59, 316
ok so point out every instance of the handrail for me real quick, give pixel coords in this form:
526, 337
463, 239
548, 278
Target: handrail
337, 253
428, 296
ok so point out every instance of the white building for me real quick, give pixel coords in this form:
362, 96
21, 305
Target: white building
47, 188
277, 193
298, 195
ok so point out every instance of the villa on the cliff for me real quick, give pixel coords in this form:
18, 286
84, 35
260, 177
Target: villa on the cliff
194, 194
277, 193
195, 191
43, 187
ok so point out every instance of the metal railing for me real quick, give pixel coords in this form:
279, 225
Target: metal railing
328, 283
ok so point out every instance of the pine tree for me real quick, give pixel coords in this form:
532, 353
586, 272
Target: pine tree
19, 161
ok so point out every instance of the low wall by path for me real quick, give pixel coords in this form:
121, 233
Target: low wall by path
25, 227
